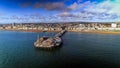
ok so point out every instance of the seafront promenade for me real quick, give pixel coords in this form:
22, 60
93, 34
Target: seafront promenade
103, 28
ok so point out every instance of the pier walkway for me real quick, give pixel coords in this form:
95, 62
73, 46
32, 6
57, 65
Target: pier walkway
60, 33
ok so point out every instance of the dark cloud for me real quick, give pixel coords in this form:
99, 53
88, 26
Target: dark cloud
51, 6
33, 1
47, 4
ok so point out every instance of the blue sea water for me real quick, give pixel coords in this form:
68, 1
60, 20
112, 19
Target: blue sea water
78, 49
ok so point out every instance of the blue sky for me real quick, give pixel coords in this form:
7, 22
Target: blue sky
32, 11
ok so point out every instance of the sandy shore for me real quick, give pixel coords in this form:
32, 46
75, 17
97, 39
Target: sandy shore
98, 32
85, 31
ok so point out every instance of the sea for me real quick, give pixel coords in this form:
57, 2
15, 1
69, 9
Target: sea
79, 50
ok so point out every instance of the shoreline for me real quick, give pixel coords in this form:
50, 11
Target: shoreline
97, 32
100, 32
85, 31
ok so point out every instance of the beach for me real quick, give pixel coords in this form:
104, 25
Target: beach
98, 32
81, 31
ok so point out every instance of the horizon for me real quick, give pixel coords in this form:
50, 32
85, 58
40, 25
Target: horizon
53, 11
59, 22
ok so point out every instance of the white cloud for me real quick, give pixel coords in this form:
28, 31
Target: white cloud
74, 6
104, 11
77, 6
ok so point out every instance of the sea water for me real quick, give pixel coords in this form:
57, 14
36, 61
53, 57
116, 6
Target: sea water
78, 49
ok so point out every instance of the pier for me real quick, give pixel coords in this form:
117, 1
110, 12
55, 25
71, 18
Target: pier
60, 33
50, 42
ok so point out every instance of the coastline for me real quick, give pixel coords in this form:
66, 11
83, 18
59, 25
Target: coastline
84, 31
104, 32
31, 30
98, 32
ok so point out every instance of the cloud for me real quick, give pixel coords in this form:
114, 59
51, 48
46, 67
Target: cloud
74, 6
51, 6
66, 14
47, 5
78, 6
104, 11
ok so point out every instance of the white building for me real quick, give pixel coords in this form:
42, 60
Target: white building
113, 25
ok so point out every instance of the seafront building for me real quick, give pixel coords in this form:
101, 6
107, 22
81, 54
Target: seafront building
60, 26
